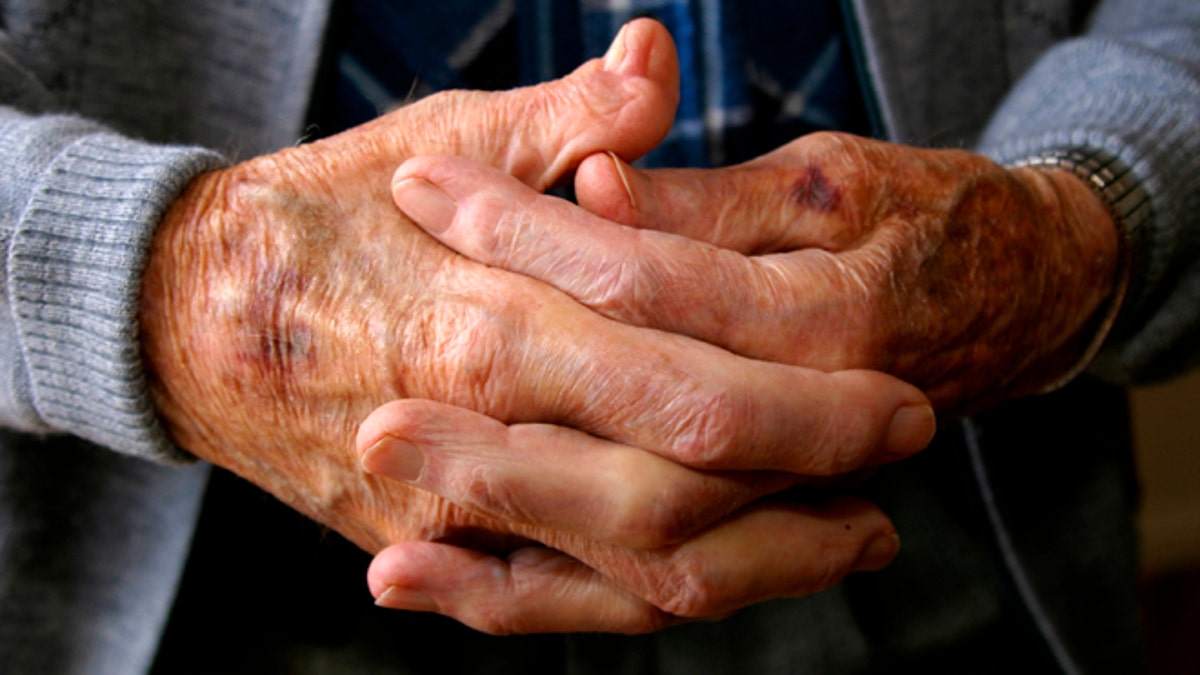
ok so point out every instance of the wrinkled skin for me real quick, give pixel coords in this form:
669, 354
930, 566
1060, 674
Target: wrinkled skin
286, 297
976, 283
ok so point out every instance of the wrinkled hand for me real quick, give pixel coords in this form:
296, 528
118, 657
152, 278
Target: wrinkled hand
973, 282
286, 298
685, 545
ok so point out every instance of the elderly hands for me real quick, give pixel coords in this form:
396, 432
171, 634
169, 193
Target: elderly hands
286, 297
971, 281
976, 283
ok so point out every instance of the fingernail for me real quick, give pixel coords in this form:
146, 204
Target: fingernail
878, 553
616, 51
912, 429
425, 204
620, 166
394, 458
396, 597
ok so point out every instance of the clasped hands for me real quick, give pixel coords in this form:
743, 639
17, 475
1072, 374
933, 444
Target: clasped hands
584, 416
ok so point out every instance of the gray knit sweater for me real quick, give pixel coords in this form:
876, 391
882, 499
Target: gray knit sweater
109, 109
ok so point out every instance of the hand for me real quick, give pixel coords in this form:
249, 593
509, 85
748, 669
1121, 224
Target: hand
662, 567
973, 282
285, 298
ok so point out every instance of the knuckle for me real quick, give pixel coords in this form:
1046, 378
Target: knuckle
491, 492
652, 519
854, 428
829, 180
832, 565
463, 349
834, 444
618, 289
501, 224
690, 589
653, 284
502, 240
841, 441
824, 143
481, 490
706, 428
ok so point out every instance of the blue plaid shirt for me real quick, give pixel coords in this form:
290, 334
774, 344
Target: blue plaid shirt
755, 73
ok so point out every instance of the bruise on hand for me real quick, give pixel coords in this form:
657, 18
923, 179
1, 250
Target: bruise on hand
971, 281
814, 192
273, 340
237, 336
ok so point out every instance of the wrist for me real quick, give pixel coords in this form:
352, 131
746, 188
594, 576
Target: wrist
1104, 210
171, 301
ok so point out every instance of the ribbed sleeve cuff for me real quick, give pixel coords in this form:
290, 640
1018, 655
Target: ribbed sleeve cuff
1138, 106
74, 273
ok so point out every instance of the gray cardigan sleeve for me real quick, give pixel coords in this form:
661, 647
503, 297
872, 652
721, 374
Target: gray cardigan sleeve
79, 201
78, 207
1130, 88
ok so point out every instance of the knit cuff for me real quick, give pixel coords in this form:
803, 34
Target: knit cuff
75, 268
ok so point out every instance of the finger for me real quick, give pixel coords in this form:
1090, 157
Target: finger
684, 399
533, 590
624, 102
553, 477
796, 197
766, 552
763, 552
699, 204
646, 278
530, 358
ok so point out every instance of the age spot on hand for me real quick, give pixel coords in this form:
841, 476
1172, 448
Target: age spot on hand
814, 192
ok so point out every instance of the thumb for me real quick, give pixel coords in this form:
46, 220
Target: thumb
735, 208
623, 102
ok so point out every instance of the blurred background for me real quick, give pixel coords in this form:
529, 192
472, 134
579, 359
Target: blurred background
1167, 427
